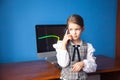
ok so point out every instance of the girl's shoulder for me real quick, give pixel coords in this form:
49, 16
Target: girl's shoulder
86, 43
89, 45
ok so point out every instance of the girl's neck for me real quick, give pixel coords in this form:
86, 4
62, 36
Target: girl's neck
76, 42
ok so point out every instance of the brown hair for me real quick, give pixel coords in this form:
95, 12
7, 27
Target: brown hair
77, 19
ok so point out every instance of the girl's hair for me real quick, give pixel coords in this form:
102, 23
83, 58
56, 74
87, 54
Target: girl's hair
77, 19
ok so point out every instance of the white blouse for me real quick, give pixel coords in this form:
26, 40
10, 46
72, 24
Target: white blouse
63, 57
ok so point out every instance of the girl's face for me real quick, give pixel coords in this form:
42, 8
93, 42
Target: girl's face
75, 30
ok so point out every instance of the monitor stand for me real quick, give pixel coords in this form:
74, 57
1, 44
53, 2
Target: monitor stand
50, 57
53, 60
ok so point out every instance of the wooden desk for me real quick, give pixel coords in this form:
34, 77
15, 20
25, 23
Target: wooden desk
43, 70
107, 68
32, 70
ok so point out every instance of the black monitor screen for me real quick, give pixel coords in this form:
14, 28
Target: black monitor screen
47, 35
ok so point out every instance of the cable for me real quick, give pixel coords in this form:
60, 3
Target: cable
50, 36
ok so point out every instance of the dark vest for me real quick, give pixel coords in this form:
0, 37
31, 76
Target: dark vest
67, 71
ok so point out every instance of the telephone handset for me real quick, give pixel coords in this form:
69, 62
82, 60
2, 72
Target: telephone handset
66, 30
67, 33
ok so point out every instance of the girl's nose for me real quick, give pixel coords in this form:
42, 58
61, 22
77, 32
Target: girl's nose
74, 32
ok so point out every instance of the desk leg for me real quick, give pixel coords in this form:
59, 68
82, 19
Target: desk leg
110, 76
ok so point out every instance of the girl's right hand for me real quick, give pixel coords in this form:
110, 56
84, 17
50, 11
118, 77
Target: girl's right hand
66, 38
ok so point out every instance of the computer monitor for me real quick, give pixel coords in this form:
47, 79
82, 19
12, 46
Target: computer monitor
46, 36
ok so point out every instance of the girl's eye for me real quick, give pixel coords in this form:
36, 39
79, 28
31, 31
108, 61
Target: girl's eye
70, 29
78, 29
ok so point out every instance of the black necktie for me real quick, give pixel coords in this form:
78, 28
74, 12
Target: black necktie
76, 49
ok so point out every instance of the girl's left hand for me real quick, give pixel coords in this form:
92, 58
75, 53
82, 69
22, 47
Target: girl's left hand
77, 66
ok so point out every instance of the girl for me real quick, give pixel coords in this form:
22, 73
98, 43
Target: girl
73, 55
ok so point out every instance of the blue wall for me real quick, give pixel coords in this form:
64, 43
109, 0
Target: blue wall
19, 17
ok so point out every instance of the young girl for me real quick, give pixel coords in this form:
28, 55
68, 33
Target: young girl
74, 55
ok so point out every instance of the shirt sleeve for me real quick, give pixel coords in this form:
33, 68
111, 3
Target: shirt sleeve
90, 64
62, 55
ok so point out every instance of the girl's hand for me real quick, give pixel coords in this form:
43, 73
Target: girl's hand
77, 66
66, 38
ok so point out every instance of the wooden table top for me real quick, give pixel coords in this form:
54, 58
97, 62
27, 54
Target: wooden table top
32, 70
43, 70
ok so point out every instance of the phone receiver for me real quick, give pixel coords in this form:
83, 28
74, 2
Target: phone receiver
66, 30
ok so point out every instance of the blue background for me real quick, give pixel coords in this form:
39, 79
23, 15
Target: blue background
19, 17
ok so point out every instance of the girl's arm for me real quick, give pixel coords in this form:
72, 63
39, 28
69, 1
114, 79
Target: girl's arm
89, 63
62, 55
